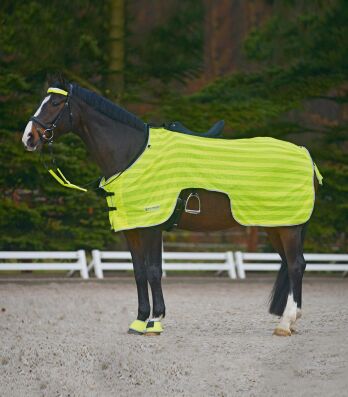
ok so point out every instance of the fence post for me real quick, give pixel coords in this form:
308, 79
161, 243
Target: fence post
239, 264
83, 263
98, 271
231, 265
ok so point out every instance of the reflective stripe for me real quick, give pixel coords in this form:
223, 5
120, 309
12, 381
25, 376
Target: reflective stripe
64, 182
57, 91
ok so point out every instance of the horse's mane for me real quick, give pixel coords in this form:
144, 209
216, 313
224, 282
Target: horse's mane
101, 104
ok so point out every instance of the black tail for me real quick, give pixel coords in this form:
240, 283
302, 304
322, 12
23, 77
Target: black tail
280, 291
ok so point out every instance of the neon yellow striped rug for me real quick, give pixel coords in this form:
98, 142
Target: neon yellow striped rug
269, 182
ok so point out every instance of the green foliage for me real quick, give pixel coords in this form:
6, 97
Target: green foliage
302, 58
35, 212
172, 50
317, 36
37, 39
250, 102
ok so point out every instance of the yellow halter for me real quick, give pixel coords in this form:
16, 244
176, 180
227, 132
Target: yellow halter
57, 91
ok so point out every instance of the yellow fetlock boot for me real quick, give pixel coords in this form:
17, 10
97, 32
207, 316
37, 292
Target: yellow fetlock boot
137, 327
154, 327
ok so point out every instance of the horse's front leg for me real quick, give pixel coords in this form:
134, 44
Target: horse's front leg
135, 245
146, 250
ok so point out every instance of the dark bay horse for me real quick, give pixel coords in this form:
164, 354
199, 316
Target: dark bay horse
115, 138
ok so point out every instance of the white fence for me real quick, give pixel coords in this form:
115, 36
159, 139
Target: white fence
235, 264
77, 261
250, 261
193, 261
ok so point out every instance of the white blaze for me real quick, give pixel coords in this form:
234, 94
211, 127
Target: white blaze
29, 126
40, 107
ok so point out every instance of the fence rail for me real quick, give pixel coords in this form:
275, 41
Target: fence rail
236, 264
193, 261
77, 260
251, 261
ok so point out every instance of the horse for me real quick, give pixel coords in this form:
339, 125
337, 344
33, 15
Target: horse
116, 138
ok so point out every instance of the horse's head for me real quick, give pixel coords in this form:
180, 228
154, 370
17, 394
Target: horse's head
52, 118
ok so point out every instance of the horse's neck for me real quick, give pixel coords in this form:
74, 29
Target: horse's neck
112, 144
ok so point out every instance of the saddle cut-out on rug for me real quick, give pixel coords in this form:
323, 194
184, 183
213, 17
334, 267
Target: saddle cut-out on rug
269, 182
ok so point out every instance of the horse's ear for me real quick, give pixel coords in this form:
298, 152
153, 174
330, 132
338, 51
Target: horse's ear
62, 80
57, 80
51, 78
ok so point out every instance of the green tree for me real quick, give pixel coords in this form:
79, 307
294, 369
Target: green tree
302, 53
38, 38
117, 57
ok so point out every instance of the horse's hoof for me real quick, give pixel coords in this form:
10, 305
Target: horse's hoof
282, 332
137, 327
153, 328
152, 333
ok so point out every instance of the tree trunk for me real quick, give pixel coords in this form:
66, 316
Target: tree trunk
116, 65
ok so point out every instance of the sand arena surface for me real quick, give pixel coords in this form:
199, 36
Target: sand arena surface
69, 339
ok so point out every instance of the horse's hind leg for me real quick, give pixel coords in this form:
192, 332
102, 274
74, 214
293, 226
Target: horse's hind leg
280, 291
292, 242
153, 262
303, 268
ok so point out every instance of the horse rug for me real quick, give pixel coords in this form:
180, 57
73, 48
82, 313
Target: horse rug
269, 182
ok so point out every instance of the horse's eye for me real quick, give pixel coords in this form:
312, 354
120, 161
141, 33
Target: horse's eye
55, 103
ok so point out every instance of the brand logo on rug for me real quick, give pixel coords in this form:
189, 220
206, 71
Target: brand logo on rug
152, 208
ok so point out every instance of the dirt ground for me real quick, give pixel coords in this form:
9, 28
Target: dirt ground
69, 339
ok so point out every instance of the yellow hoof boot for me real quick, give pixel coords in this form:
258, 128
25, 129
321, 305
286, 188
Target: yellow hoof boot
153, 328
137, 327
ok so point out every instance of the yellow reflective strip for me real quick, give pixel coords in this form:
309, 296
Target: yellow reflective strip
72, 186
56, 177
63, 183
62, 175
57, 91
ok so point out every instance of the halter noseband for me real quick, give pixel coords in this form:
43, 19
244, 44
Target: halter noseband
50, 128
